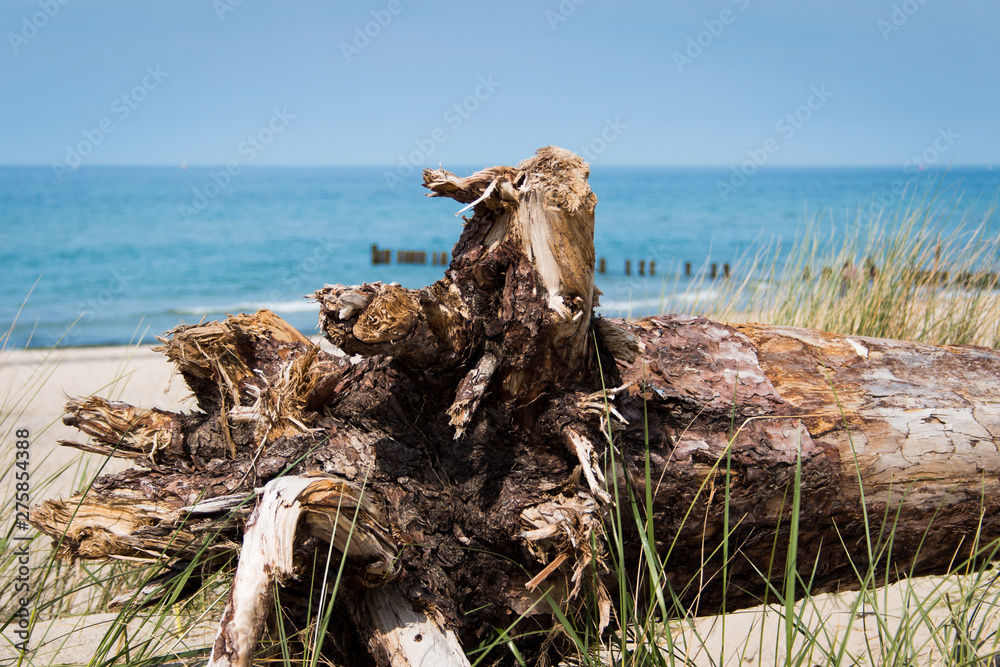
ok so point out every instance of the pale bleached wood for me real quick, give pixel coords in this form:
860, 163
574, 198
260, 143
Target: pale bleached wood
917, 424
334, 510
265, 559
403, 635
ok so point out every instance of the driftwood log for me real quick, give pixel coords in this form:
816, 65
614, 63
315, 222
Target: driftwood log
466, 452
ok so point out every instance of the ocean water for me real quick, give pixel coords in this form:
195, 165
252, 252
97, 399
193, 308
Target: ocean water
112, 255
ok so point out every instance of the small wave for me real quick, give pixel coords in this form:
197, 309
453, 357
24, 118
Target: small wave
659, 302
695, 295
630, 304
302, 306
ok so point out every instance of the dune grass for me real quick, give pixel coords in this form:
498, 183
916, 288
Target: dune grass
928, 284
922, 272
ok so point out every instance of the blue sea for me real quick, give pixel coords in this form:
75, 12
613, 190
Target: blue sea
118, 255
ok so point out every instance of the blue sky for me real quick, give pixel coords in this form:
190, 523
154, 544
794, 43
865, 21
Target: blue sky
205, 82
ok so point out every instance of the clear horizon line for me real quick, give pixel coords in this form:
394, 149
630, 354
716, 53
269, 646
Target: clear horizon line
162, 165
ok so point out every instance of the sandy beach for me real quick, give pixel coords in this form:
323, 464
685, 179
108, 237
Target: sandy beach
35, 384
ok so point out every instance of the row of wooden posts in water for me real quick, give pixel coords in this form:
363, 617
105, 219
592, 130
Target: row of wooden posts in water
384, 256
713, 271
648, 268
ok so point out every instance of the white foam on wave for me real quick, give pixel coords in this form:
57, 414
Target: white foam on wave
658, 303
694, 296
302, 306
629, 304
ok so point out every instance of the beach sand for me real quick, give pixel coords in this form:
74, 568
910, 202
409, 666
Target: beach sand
34, 385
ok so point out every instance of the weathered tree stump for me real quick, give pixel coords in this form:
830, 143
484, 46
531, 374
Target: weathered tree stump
468, 449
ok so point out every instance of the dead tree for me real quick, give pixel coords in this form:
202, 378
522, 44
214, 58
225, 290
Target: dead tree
471, 445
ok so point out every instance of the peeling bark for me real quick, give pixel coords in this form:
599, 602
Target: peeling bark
917, 427
480, 431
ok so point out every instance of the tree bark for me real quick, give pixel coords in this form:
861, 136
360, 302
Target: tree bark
488, 433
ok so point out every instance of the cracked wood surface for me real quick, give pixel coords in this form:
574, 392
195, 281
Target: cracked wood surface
917, 425
922, 421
